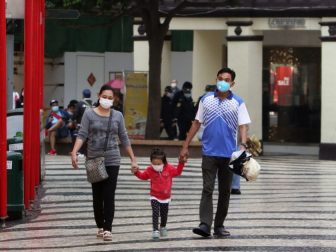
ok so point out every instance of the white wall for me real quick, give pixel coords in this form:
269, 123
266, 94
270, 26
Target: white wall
181, 67
79, 65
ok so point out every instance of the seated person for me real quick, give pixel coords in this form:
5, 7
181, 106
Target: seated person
56, 125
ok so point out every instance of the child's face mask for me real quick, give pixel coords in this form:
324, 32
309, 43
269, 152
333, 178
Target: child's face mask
158, 168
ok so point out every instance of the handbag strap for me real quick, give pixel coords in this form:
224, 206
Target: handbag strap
108, 131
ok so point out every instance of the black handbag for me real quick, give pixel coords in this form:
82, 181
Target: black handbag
95, 167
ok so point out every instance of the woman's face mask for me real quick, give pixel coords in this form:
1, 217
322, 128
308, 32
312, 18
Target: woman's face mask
105, 103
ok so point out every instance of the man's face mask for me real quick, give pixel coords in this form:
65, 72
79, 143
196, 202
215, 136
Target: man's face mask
223, 86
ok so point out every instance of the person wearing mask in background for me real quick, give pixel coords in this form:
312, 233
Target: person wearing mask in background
81, 106
167, 111
93, 129
173, 85
223, 115
184, 110
56, 125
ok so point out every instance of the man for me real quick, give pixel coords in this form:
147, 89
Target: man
82, 105
174, 87
167, 110
223, 114
56, 125
184, 109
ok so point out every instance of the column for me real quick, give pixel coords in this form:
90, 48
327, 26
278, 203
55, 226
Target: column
207, 59
141, 49
141, 54
244, 47
328, 91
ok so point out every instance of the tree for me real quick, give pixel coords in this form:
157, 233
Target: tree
156, 26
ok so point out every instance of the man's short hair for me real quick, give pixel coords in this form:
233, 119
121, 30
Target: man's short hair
86, 93
187, 85
227, 70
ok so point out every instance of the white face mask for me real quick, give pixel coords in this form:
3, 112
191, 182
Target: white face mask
158, 168
105, 103
173, 84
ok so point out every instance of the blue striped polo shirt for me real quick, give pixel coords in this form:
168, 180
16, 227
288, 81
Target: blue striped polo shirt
221, 119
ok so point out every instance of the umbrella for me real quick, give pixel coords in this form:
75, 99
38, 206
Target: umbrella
119, 84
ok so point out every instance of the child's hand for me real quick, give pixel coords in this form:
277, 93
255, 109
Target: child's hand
134, 169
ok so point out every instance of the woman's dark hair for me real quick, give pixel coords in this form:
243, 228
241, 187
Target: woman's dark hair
105, 87
102, 89
157, 153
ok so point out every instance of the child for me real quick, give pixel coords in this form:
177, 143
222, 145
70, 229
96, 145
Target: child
161, 176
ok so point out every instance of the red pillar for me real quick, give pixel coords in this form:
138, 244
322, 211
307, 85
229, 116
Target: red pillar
3, 113
27, 125
33, 101
42, 52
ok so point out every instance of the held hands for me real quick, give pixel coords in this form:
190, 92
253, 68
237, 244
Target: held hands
134, 167
182, 159
184, 155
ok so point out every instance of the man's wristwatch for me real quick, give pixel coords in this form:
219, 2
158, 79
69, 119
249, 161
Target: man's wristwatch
244, 145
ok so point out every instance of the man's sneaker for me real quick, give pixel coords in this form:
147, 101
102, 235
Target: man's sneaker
202, 230
156, 234
52, 152
100, 233
235, 191
163, 231
220, 232
107, 236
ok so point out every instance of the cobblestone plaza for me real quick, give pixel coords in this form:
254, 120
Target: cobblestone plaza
291, 207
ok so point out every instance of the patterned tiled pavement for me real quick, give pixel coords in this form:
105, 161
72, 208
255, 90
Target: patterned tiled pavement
291, 207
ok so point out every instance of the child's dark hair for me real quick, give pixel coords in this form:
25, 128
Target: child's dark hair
157, 153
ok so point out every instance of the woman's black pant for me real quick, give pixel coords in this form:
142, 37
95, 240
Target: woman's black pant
103, 198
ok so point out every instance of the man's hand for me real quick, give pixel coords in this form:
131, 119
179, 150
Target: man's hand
184, 154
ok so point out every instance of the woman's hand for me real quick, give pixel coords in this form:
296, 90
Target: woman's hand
74, 160
134, 167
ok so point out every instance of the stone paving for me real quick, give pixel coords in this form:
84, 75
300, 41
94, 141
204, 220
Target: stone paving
291, 207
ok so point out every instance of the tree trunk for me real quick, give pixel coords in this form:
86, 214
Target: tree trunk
154, 87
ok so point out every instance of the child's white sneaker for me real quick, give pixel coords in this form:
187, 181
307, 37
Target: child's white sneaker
156, 234
163, 231
107, 236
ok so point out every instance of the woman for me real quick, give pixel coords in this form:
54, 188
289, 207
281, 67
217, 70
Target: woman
93, 128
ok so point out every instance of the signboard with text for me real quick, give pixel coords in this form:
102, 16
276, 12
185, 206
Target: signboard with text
136, 104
